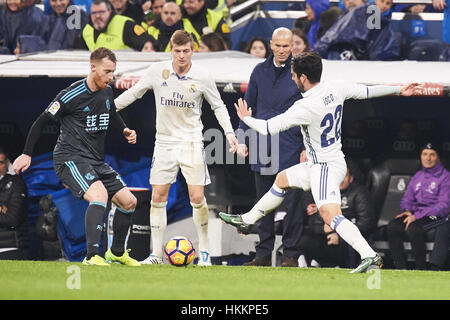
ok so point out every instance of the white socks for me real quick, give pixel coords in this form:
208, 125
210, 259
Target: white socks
350, 233
158, 224
271, 200
200, 216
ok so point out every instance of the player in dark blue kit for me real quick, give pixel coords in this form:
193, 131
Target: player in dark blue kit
84, 110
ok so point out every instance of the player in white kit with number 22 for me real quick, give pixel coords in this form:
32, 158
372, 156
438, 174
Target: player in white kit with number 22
179, 87
319, 114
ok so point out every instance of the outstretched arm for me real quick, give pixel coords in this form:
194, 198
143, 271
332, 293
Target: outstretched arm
360, 91
23, 162
295, 115
135, 92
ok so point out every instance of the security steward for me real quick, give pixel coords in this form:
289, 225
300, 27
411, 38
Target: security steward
113, 31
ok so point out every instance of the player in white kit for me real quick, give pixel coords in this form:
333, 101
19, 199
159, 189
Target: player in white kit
319, 114
179, 86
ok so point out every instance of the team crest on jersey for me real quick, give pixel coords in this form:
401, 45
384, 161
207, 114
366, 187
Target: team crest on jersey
193, 88
108, 106
54, 108
165, 74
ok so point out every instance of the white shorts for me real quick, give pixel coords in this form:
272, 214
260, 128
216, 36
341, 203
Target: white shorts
323, 179
169, 158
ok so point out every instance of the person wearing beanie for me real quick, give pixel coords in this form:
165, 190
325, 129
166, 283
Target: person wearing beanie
424, 206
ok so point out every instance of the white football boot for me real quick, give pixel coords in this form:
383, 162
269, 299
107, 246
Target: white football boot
204, 259
152, 259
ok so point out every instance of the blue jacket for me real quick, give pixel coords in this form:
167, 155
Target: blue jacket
318, 6
350, 32
446, 23
56, 34
28, 21
271, 92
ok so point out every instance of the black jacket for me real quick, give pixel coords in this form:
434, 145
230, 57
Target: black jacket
13, 226
355, 204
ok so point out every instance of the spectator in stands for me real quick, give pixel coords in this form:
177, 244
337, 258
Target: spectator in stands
384, 6
82, 4
323, 244
61, 30
258, 47
204, 20
424, 206
313, 9
13, 213
153, 12
164, 27
17, 19
327, 19
219, 6
351, 4
128, 9
270, 92
112, 31
444, 5
300, 41
355, 37
212, 42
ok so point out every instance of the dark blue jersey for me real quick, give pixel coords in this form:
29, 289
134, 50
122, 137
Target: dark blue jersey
84, 117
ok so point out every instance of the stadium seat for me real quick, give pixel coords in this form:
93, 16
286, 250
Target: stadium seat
426, 50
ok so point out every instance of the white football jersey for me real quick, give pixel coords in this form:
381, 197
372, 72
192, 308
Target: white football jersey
319, 114
178, 101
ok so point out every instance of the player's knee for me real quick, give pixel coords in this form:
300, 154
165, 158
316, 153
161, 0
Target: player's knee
197, 199
158, 197
281, 180
131, 203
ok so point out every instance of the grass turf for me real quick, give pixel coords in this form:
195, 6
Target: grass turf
52, 280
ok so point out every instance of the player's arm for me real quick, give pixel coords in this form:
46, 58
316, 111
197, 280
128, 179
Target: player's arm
135, 92
212, 95
117, 121
52, 112
294, 116
360, 91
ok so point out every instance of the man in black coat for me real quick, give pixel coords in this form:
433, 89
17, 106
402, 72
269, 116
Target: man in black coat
324, 245
13, 213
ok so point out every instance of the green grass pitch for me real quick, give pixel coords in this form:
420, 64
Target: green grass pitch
69, 280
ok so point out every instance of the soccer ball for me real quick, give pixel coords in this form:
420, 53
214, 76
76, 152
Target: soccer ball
179, 251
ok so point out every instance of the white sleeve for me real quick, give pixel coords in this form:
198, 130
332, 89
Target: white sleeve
212, 95
296, 115
135, 92
360, 91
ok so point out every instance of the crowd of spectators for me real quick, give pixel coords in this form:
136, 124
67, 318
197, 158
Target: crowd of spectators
348, 30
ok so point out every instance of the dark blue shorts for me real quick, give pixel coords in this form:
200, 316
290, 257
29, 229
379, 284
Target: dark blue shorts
80, 174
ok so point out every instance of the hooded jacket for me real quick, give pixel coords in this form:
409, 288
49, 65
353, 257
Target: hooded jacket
428, 193
318, 6
350, 32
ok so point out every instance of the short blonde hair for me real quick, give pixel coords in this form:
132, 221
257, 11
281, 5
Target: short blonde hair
181, 37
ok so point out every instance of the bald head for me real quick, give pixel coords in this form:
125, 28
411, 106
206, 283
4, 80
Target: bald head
170, 14
281, 45
282, 33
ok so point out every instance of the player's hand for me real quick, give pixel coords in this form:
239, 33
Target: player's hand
303, 157
404, 213
312, 209
130, 135
439, 4
408, 220
242, 109
22, 163
231, 138
327, 229
242, 150
333, 239
409, 89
